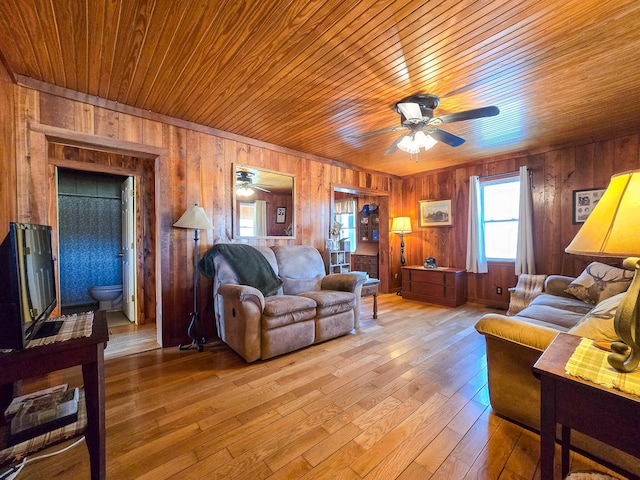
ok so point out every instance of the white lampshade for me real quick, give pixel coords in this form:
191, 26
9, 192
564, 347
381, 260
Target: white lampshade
401, 225
611, 228
411, 143
244, 191
194, 217
424, 141
406, 144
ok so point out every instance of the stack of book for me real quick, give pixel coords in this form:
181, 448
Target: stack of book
40, 412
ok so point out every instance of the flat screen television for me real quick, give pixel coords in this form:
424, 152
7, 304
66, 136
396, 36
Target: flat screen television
27, 284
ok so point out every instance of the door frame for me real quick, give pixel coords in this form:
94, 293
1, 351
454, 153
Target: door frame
145, 153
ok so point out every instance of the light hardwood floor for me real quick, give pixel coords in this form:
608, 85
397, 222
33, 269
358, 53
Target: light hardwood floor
405, 398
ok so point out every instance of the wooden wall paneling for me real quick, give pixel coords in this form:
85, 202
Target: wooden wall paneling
178, 287
39, 179
320, 188
55, 111
8, 174
146, 236
26, 110
171, 187
84, 117
130, 128
626, 153
151, 132
106, 122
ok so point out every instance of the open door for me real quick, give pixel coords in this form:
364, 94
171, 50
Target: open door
128, 249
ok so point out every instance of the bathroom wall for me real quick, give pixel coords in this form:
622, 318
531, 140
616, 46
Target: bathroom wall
90, 234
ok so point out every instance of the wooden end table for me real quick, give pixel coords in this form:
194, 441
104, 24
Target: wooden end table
87, 352
370, 287
606, 414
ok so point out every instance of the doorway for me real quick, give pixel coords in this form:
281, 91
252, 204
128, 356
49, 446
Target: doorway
95, 242
140, 171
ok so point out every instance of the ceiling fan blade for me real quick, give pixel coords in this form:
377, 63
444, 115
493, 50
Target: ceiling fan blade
469, 114
446, 137
260, 188
394, 146
411, 111
375, 132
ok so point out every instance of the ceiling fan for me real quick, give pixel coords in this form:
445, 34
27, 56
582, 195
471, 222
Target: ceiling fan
416, 115
244, 184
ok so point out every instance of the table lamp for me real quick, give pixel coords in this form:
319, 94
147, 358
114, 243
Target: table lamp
401, 225
196, 218
610, 231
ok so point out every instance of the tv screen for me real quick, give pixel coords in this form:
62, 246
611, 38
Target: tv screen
27, 283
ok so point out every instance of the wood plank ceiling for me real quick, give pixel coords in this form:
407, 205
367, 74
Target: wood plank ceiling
307, 74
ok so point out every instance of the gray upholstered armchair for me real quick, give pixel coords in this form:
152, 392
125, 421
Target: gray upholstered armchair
308, 307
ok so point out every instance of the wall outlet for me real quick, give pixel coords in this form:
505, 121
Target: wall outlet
499, 290
395, 275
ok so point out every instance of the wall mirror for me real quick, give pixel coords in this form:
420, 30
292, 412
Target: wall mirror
263, 203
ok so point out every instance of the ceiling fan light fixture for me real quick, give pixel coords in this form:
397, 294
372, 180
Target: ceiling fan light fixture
244, 191
408, 145
423, 140
411, 143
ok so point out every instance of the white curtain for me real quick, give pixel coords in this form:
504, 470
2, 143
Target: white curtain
347, 205
476, 258
261, 218
525, 261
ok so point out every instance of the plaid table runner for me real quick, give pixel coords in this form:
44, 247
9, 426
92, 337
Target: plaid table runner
75, 326
590, 363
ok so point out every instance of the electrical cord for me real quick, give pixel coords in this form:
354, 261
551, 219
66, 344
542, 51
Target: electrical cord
15, 470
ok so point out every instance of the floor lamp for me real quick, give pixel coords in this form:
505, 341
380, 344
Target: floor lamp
611, 231
401, 225
195, 218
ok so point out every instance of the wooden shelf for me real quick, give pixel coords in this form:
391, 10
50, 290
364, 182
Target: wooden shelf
337, 261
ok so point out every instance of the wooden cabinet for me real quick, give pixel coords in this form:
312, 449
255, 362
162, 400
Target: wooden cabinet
337, 261
368, 227
365, 263
443, 286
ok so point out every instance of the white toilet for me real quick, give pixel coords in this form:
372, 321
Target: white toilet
109, 296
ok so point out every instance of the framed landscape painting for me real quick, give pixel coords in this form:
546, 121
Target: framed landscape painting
435, 213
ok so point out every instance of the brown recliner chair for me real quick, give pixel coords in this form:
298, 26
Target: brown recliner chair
308, 308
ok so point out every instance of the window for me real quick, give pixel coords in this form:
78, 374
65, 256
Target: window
345, 214
500, 207
247, 219
348, 222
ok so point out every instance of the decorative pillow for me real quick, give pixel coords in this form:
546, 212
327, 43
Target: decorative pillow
598, 323
598, 282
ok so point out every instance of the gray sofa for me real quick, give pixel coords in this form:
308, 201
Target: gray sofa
309, 306
514, 344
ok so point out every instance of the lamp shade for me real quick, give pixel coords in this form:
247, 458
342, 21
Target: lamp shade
611, 228
401, 225
194, 217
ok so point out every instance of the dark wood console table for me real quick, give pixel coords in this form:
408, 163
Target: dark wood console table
442, 285
606, 414
87, 352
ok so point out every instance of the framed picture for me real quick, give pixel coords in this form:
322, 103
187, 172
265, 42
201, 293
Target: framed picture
435, 213
584, 202
281, 214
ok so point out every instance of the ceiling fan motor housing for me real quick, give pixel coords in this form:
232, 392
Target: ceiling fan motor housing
426, 101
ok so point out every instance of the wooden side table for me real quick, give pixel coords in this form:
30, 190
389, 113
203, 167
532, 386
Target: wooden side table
87, 352
370, 287
605, 414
